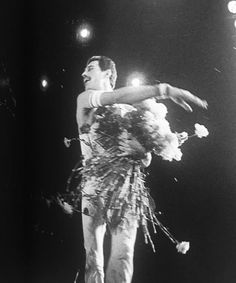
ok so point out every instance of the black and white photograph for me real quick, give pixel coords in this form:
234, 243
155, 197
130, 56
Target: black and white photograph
118, 141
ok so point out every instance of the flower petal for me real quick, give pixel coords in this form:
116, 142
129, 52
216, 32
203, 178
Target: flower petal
183, 247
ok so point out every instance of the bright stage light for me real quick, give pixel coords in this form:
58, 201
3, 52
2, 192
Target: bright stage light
235, 23
232, 7
44, 83
136, 79
84, 33
135, 82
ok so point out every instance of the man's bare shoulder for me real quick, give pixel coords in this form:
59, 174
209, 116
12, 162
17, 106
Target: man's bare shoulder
83, 99
83, 96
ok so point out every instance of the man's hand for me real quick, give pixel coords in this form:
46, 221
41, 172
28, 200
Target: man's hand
181, 97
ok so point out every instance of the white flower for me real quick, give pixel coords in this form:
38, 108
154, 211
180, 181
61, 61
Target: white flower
171, 153
149, 116
182, 137
67, 142
157, 109
201, 131
183, 247
160, 110
178, 154
68, 208
65, 206
164, 127
170, 149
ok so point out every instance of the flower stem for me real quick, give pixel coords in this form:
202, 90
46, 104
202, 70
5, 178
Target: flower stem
194, 135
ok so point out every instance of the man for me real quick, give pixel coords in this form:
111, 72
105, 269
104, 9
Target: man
99, 79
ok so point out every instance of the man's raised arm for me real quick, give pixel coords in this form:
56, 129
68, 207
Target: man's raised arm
131, 95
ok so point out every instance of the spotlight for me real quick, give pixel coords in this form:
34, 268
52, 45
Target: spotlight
232, 7
44, 83
135, 82
136, 79
84, 33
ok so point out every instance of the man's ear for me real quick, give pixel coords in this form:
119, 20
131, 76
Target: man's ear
108, 73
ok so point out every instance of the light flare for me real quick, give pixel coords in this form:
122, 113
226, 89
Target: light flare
84, 33
136, 79
232, 7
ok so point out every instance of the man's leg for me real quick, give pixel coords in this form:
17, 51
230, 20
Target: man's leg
120, 265
93, 231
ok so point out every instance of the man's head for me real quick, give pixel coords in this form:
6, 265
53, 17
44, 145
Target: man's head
100, 73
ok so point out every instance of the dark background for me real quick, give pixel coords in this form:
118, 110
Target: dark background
190, 44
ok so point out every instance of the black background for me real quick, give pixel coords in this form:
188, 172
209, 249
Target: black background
190, 44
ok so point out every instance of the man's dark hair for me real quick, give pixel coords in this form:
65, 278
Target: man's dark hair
106, 63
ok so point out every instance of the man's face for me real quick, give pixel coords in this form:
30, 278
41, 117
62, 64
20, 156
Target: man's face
93, 76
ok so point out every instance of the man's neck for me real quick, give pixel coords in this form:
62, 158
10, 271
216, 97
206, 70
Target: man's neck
107, 86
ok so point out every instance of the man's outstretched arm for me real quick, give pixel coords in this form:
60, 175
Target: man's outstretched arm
131, 95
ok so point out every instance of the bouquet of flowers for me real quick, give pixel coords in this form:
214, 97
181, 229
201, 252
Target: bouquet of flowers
146, 122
